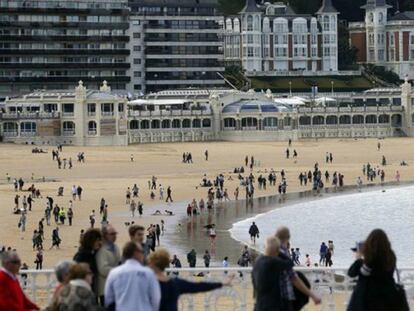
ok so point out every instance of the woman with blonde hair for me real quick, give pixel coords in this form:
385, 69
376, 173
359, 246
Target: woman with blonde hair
172, 288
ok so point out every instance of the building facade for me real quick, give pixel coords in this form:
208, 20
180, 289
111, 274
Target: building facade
385, 40
48, 44
175, 44
272, 38
88, 117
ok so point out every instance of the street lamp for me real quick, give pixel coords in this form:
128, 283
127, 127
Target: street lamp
290, 88
332, 88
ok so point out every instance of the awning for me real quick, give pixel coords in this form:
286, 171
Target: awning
159, 102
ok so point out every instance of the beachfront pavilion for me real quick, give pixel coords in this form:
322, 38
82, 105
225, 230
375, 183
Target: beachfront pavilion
87, 117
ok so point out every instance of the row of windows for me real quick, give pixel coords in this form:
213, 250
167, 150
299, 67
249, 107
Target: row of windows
54, 60
165, 124
62, 18
62, 4
61, 32
183, 24
62, 73
55, 45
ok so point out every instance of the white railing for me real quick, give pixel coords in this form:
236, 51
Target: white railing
331, 284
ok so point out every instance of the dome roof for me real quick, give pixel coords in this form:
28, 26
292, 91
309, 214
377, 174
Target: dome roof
255, 106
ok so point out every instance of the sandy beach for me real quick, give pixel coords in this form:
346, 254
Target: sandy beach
108, 171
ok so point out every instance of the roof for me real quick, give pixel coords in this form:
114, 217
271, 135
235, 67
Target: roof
327, 7
375, 3
255, 106
403, 16
251, 7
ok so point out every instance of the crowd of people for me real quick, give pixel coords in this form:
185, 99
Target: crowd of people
102, 277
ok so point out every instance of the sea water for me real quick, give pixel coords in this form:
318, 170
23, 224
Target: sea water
344, 219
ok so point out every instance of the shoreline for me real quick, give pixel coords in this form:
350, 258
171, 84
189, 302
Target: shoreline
229, 213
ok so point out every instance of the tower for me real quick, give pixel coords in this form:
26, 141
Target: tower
251, 19
375, 21
328, 18
406, 102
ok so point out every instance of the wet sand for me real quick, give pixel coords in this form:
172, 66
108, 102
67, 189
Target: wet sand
192, 234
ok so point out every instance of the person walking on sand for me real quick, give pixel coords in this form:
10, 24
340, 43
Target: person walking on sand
254, 232
207, 259
397, 176
206, 155
133, 207
169, 191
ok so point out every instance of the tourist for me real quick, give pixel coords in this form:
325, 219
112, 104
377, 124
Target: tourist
79, 192
169, 191
290, 278
397, 176
74, 192
89, 245
207, 259
322, 253
132, 158
157, 233
12, 297
192, 258
133, 207
173, 288
62, 276
39, 259
376, 289
267, 278
55, 238
137, 235
77, 294
212, 234
307, 260
131, 286
92, 219
70, 216
107, 257
206, 154
102, 206
254, 232
22, 221
245, 257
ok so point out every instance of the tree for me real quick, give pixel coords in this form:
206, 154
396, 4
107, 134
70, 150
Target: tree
346, 54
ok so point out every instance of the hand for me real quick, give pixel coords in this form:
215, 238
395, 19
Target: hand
229, 280
317, 300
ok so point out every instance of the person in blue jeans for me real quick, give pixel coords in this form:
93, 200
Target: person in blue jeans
173, 288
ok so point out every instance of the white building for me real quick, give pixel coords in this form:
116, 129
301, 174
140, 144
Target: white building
272, 38
385, 40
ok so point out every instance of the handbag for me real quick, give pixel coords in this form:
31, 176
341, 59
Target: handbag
401, 302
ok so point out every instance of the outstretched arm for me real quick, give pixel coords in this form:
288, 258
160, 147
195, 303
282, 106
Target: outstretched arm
186, 287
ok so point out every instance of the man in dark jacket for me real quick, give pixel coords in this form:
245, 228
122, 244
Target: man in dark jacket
192, 258
266, 277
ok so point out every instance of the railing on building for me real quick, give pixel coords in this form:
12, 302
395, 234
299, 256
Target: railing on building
331, 284
29, 115
166, 113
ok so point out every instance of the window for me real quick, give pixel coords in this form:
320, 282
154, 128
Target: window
136, 35
137, 74
137, 48
121, 107
250, 52
68, 128
68, 109
137, 61
381, 55
28, 127
249, 23
92, 128
107, 109
137, 87
91, 109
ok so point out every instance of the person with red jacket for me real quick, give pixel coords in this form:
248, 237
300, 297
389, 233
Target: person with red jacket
12, 297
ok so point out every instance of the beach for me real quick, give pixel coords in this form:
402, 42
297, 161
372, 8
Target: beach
108, 171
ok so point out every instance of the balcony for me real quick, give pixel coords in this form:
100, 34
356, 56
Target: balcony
29, 115
107, 113
331, 284
68, 132
92, 132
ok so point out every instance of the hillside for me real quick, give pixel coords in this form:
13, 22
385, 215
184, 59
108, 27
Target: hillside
350, 9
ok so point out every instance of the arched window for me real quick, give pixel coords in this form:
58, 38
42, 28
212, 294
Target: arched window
287, 121
92, 128
134, 125
197, 123
331, 120
176, 124
206, 123
155, 124
249, 123
10, 128
326, 23
145, 124
358, 119
304, 120
68, 128
256, 23
371, 17
229, 25
384, 119
28, 127
380, 17
166, 124
345, 119
318, 120
371, 119
229, 123
270, 122
266, 24
396, 120
236, 24
280, 24
249, 23
186, 123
